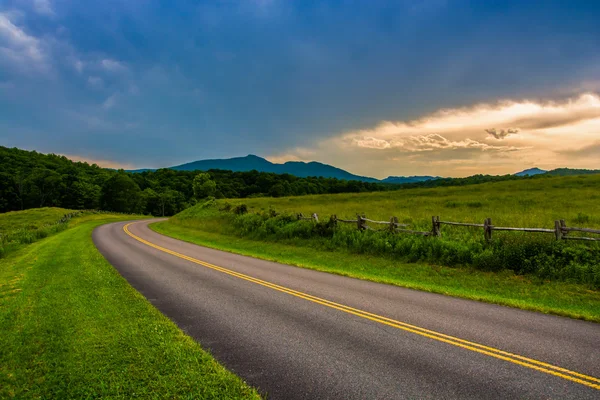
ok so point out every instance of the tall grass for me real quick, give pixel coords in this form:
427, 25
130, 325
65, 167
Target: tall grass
520, 204
19, 228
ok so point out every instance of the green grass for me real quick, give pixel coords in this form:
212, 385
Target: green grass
526, 203
34, 218
20, 228
522, 203
72, 327
525, 270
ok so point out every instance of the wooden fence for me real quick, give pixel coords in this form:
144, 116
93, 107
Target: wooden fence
561, 230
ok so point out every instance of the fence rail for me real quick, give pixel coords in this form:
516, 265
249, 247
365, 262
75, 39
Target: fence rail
561, 230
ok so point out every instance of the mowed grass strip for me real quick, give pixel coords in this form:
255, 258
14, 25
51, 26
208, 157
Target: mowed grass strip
72, 327
505, 288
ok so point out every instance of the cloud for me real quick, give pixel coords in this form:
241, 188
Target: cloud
78, 65
43, 7
19, 48
430, 142
113, 65
95, 82
502, 133
110, 102
589, 151
458, 140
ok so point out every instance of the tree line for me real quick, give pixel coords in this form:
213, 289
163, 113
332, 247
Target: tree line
29, 179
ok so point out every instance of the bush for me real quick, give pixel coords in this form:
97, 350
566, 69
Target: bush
240, 209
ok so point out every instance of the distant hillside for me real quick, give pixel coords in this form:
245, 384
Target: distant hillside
309, 169
252, 162
531, 172
571, 171
408, 179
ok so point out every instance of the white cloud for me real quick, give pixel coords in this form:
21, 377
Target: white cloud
113, 65
457, 141
43, 7
78, 65
18, 48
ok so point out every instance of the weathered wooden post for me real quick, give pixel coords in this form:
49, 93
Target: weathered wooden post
333, 221
299, 216
563, 228
393, 224
487, 229
361, 223
558, 230
435, 226
315, 217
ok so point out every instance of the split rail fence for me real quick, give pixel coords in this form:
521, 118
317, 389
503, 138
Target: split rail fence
561, 230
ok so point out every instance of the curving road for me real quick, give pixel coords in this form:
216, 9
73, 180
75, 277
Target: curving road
301, 334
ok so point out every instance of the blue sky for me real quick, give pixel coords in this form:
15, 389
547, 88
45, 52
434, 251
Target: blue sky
377, 87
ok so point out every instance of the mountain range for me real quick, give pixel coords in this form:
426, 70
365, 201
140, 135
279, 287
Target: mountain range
305, 169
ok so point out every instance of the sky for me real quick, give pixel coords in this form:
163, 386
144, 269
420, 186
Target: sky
379, 88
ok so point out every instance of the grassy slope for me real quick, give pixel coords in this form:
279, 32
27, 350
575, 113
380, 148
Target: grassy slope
535, 203
73, 328
528, 203
30, 219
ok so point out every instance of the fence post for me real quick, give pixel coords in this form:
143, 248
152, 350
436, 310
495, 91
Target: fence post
315, 217
299, 216
558, 230
487, 229
361, 223
435, 226
333, 220
563, 227
393, 222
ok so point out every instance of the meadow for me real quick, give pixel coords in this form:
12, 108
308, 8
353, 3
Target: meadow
537, 259
72, 327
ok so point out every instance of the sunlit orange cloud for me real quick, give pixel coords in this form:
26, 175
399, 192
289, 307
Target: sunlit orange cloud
100, 163
498, 138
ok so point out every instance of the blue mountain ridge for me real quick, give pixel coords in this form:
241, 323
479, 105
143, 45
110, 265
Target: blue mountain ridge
305, 169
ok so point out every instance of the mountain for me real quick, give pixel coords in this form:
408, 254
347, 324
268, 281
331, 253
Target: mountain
408, 179
304, 169
252, 162
531, 172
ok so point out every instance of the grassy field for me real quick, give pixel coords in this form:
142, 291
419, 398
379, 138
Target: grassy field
20, 228
530, 271
73, 328
527, 203
32, 219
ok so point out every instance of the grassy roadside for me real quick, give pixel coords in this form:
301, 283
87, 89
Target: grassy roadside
73, 328
505, 288
19, 229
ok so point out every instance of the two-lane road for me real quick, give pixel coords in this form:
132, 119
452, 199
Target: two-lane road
301, 334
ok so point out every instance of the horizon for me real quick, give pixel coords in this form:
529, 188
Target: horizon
411, 88
294, 161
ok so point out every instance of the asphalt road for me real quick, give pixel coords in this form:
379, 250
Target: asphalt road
277, 327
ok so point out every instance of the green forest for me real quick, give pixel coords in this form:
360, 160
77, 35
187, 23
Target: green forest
29, 179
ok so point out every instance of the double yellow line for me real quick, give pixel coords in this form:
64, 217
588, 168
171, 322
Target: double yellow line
564, 373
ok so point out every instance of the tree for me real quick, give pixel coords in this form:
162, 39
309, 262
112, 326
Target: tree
45, 184
9, 199
203, 186
120, 193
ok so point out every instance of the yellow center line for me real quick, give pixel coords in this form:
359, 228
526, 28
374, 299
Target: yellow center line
564, 373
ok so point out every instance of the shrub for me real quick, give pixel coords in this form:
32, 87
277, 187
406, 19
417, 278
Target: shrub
240, 209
